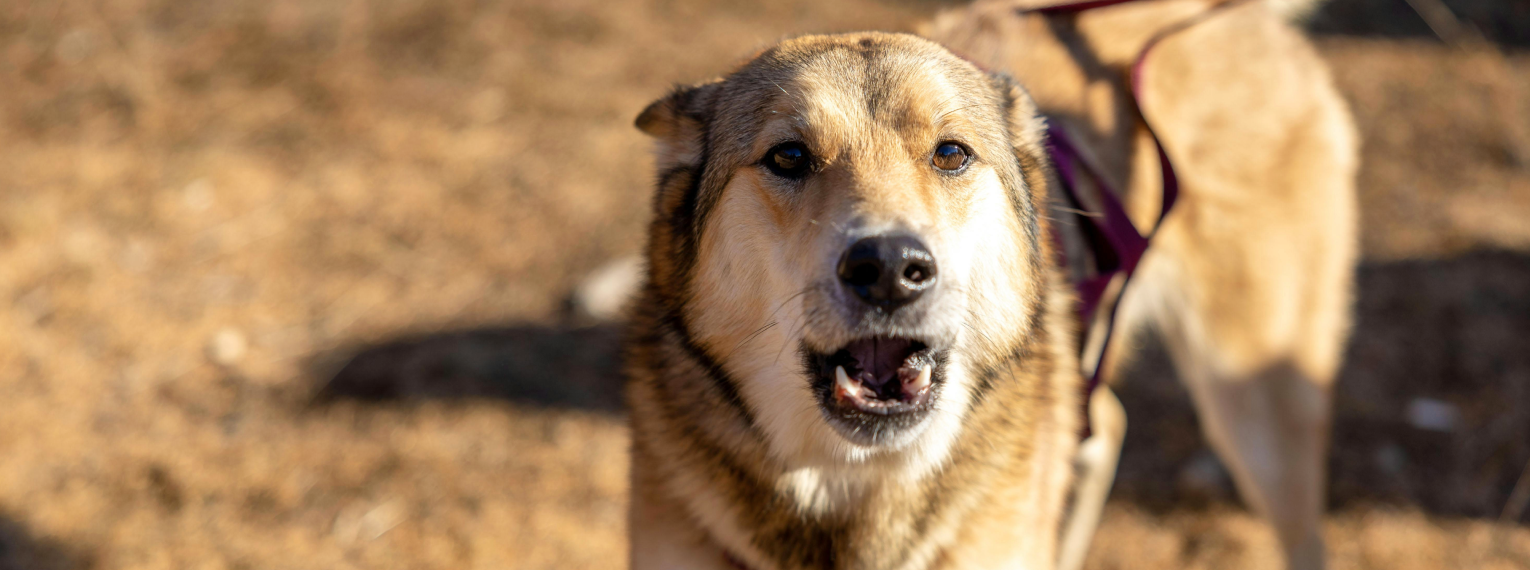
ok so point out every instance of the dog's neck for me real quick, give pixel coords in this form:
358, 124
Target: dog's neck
765, 513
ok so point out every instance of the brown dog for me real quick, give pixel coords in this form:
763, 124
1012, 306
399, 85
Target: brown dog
856, 348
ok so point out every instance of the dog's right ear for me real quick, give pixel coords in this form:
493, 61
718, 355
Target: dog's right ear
678, 121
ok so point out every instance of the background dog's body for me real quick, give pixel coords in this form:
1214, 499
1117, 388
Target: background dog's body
733, 460
1249, 281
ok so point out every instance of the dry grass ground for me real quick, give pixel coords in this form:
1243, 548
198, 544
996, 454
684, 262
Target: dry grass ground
207, 208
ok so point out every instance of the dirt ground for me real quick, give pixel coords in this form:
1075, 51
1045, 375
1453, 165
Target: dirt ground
282, 286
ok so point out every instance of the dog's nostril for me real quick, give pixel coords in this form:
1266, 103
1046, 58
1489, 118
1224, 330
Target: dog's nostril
864, 274
861, 266
916, 272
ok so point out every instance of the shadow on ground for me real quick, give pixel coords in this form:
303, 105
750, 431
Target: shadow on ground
544, 366
20, 550
1503, 22
1454, 330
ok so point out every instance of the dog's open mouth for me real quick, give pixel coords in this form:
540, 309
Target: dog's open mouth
877, 383
881, 375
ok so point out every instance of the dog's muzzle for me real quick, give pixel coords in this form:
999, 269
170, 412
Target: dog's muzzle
877, 386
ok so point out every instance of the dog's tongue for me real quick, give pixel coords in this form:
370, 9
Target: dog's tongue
878, 359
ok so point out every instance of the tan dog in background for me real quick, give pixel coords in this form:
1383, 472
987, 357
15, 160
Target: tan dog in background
855, 347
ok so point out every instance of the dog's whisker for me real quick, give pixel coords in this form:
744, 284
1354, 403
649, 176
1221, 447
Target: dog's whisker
937, 116
1076, 211
783, 304
799, 329
792, 99
795, 332
963, 108
751, 337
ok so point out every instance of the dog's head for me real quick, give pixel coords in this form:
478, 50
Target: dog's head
849, 227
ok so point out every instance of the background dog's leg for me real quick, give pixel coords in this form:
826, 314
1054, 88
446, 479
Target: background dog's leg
1271, 429
1095, 468
1260, 385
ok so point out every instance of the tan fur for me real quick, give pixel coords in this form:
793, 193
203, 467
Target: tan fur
732, 456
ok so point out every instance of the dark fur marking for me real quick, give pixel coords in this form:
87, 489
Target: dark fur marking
727, 388
703, 197
715, 453
667, 177
800, 543
874, 81
685, 223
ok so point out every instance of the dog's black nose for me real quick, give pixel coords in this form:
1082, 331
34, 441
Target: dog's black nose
887, 271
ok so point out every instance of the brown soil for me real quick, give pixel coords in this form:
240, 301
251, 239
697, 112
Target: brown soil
281, 286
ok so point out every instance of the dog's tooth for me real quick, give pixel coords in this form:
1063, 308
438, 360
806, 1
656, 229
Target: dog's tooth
842, 380
922, 382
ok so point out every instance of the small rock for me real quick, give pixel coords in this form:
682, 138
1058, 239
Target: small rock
227, 347
1433, 415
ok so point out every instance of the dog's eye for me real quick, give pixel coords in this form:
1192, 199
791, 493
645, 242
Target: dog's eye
789, 160
949, 157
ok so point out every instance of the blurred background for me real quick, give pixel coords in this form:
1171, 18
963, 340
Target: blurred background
283, 285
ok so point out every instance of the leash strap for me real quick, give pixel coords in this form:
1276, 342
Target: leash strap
1117, 244
1076, 7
